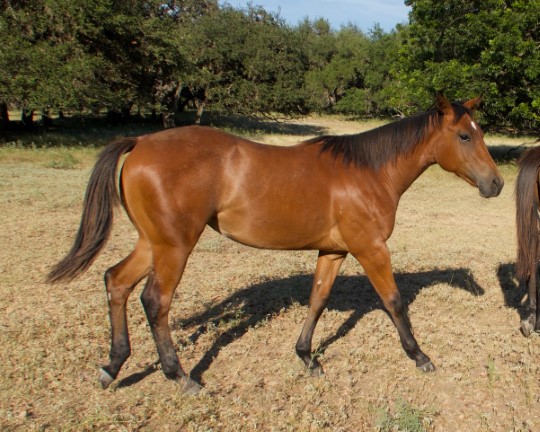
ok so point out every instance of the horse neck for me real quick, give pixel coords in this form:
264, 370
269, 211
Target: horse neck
401, 173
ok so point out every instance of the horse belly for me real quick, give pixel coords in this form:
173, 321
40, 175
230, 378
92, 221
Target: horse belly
271, 230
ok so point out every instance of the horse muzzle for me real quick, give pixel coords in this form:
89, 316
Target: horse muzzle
491, 188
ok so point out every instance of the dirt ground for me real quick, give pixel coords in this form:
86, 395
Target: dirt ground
238, 313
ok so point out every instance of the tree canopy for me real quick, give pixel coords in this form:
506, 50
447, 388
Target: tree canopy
103, 56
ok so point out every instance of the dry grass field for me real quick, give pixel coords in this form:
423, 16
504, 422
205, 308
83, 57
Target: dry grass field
238, 312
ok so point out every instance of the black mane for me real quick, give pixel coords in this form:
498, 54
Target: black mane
376, 147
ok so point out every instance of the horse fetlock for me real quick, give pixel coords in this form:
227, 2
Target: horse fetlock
119, 354
315, 369
302, 351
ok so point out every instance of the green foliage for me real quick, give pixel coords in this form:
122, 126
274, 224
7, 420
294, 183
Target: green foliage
103, 55
338, 69
247, 61
472, 47
406, 418
49, 66
161, 56
65, 161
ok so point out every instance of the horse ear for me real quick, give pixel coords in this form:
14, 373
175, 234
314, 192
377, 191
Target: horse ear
473, 104
442, 104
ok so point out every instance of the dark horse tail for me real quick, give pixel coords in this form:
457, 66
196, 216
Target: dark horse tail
100, 200
527, 214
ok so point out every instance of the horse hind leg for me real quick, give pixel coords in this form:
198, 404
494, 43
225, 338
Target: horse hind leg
120, 281
537, 309
530, 322
169, 264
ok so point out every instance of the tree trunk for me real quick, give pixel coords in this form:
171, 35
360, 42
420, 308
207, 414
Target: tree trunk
126, 111
168, 95
200, 108
4, 116
46, 119
27, 117
168, 120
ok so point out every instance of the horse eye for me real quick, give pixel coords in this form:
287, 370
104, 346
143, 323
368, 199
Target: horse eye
464, 137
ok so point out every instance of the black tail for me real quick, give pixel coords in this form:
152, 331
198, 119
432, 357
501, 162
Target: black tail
527, 214
98, 211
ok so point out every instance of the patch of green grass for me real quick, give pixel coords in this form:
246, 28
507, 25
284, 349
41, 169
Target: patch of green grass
64, 161
56, 157
405, 418
491, 370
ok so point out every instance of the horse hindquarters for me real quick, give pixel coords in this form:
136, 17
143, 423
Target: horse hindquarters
170, 208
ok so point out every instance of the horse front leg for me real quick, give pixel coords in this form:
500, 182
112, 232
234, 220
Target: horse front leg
377, 266
325, 274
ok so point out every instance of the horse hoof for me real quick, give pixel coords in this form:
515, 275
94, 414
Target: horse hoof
428, 367
316, 372
189, 387
105, 379
526, 328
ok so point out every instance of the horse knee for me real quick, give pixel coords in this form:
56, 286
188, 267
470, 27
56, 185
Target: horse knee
397, 310
302, 348
395, 306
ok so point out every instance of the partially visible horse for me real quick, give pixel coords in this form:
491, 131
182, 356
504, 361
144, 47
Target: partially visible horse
335, 194
527, 220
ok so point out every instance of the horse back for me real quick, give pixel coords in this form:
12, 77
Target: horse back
260, 195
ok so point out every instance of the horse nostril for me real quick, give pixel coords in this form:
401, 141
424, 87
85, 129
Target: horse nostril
498, 184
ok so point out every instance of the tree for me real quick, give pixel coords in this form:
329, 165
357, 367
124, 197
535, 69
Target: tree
470, 47
341, 73
246, 61
48, 65
162, 55
372, 93
106, 55
510, 67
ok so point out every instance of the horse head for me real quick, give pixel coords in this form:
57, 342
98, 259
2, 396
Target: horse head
460, 147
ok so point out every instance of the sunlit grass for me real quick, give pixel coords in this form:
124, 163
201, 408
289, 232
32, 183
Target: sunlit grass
406, 418
50, 157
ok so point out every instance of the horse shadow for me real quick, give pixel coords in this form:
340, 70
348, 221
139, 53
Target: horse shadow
514, 292
260, 302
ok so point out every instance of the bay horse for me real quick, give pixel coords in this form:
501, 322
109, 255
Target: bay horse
527, 220
334, 194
